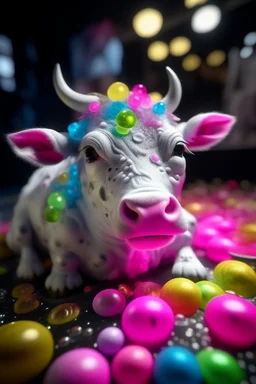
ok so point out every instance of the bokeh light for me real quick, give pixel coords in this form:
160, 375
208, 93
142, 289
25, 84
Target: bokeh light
216, 58
158, 51
155, 96
246, 52
250, 38
206, 19
194, 3
191, 62
179, 46
148, 22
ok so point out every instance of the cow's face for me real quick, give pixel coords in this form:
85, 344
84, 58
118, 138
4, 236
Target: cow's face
130, 183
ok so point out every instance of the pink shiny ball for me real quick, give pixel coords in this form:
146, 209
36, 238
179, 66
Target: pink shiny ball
218, 249
231, 320
109, 302
134, 101
220, 223
132, 365
148, 321
139, 89
203, 235
94, 107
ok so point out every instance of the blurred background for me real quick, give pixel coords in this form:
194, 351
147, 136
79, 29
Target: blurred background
209, 44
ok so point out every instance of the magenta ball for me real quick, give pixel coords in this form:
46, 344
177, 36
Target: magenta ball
218, 249
147, 101
220, 223
148, 321
109, 302
232, 321
134, 101
139, 89
110, 340
81, 365
203, 235
133, 365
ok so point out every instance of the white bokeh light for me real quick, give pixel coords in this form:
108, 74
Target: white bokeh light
206, 18
250, 38
246, 52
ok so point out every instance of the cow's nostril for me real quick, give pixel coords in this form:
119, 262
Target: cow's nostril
129, 213
171, 207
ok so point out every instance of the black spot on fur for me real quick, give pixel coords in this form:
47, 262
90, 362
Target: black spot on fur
114, 180
103, 194
23, 230
116, 169
110, 169
91, 185
81, 241
106, 214
103, 257
57, 243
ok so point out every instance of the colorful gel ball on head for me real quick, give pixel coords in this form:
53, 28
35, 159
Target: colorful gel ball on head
57, 200
159, 108
177, 365
52, 215
118, 91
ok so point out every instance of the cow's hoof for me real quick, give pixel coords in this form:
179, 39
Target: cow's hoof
193, 270
28, 270
60, 281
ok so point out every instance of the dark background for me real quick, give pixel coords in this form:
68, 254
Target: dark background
41, 33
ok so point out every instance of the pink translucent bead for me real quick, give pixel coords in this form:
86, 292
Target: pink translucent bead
148, 321
154, 158
80, 365
220, 223
231, 321
133, 365
109, 302
218, 249
146, 101
94, 107
139, 89
134, 101
203, 235
147, 288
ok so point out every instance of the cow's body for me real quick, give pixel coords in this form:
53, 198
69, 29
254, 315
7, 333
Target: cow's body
128, 219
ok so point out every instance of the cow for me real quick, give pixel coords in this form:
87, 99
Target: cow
127, 218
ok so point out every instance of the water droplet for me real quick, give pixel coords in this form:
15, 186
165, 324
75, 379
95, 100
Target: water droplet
88, 332
63, 313
64, 341
75, 331
189, 332
252, 368
195, 345
249, 355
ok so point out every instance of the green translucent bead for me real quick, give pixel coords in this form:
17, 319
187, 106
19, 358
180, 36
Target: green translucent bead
208, 290
57, 200
219, 367
126, 119
122, 131
52, 215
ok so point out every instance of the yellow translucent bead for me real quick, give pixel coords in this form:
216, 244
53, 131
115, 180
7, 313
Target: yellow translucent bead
118, 91
22, 290
26, 349
249, 231
63, 313
234, 275
26, 304
63, 178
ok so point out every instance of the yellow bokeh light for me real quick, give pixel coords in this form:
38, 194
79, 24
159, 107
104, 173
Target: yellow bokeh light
158, 51
193, 3
155, 96
148, 22
191, 62
179, 46
216, 58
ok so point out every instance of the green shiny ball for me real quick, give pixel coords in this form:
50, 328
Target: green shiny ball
208, 290
57, 200
219, 367
52, 215
126, 119
122, 131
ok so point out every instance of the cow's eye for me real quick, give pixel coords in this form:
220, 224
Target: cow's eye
179, 150
91, 155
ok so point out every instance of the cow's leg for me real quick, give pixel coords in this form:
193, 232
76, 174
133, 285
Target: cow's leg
20, 240
186, 263
64, 273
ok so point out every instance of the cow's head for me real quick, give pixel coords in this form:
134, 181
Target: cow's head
129, 182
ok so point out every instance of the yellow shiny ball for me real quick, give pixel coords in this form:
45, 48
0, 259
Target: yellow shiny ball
234, 275
208, 290
63, 178
249, 231
26, 349
118, 91
183, 296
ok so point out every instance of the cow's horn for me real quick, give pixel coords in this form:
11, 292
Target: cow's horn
72, 99
173, 97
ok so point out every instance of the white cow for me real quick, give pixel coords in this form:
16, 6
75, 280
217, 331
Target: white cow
126, 218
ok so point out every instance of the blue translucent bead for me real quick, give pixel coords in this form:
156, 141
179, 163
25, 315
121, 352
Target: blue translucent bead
73, 172
57, 187
77, 130
113, 109
159, 108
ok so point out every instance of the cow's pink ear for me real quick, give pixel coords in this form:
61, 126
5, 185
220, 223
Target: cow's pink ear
204, 131
39, 146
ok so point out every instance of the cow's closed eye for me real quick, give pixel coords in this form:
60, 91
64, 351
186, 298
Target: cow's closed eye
179, 150
91, 154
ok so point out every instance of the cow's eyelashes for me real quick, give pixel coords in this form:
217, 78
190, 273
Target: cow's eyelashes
91, 154
179, 150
